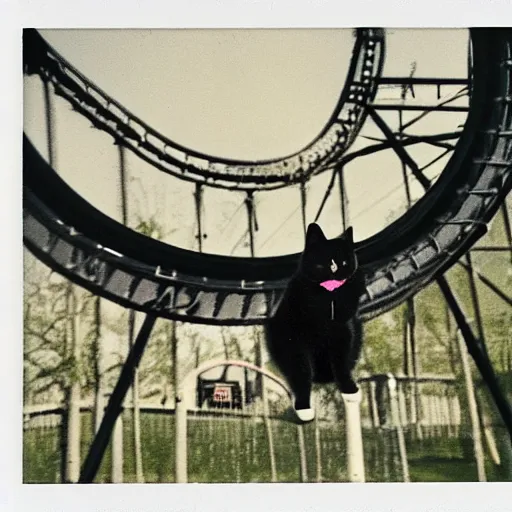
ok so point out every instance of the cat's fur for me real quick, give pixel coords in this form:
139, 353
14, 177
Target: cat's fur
315, 335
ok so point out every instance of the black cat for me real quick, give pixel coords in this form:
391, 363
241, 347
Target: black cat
315, 335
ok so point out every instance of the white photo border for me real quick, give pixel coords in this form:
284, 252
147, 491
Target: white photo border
194, 14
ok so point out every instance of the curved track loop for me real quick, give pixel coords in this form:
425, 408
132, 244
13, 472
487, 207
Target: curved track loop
168, 156
75, 239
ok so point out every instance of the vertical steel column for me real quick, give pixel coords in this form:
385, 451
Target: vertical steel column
249, 203
476, 433
50, 145
50, 127
131, 327
99, 403
474, 298
266, 420
114, 406
508, 228
470, 66
139, 472
415, 370
410, 336
404, 167
344, 200
75, 389
451, 351
180, 417
122, 183
303, 199
397, 425
198, 196
479, 354
405, 341
406, 366
180, 413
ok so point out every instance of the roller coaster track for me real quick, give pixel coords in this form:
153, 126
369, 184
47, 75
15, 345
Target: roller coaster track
170, 157
89, 248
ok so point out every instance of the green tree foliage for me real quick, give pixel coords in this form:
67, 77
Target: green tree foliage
49, 365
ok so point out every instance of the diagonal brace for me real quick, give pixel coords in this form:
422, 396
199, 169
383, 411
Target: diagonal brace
397, 147
115, 403
479, 354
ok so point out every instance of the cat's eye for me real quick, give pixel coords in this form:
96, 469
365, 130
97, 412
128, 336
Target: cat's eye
343, 263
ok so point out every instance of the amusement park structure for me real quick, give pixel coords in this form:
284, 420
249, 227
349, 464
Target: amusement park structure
113, 261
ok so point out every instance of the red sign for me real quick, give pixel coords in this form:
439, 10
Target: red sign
222, 394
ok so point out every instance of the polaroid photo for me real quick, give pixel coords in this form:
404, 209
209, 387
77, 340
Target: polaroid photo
266, 251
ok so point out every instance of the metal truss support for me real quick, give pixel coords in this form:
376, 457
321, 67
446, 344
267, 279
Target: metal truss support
402, 80
328, 191
474, 298
398, 148
490, 248
492, 286
476, 347
115, 403
420, 108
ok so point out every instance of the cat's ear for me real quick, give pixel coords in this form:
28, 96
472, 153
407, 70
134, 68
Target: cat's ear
348, 235
314, 235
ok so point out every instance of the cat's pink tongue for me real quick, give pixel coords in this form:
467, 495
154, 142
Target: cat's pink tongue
332, 284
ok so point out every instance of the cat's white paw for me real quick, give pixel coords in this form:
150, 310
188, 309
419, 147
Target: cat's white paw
305, 415
353, 397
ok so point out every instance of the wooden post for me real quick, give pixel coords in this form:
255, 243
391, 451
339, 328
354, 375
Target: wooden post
180, 418
354, 435
489, 436
403, 403
452, 429
373, 404
318, 445
395, 415
415, 368
117, 451
302, 454
446, 413
266, 420
137, 442
473, 412
180, 440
